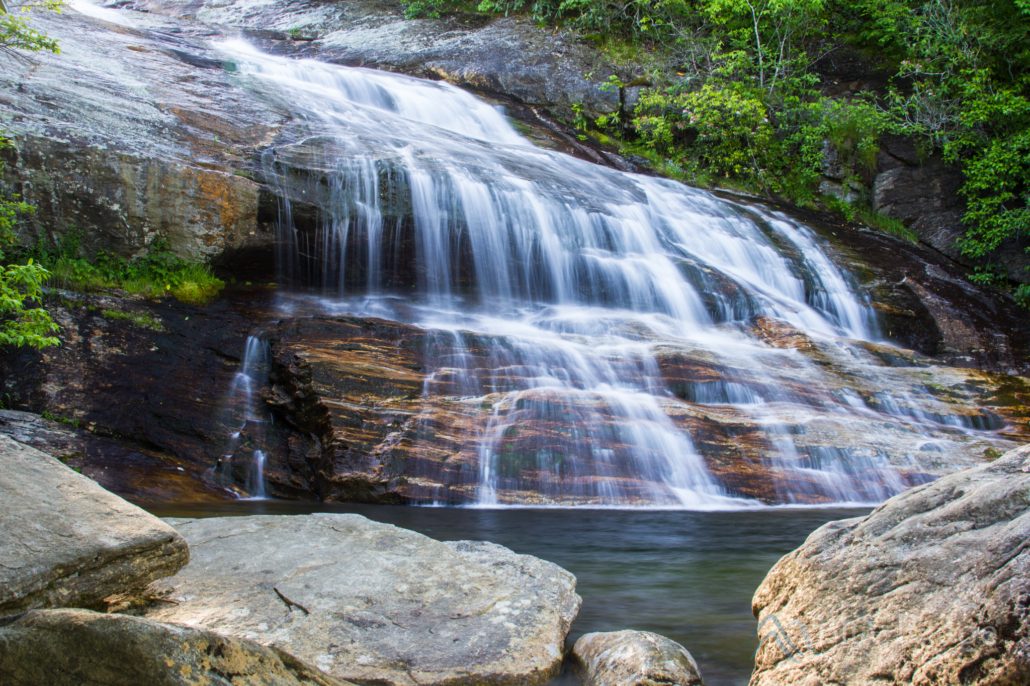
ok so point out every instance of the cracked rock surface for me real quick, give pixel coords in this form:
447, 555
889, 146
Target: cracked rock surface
933, 587
65, 541
374, 603
75, 647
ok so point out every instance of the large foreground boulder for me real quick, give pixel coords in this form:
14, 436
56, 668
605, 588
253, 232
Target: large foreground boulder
933, 587
83, 648
634, 658
374, 603
65, 541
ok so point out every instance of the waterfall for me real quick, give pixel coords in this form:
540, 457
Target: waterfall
593, 321
249, 418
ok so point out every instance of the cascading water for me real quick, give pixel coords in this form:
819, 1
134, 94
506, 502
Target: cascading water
591, 322
246, 413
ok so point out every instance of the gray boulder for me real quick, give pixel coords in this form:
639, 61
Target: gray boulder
65, 541
634, 658
933, 587
83, 648
374, 603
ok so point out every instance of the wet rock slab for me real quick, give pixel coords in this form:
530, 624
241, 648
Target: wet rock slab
139, 409
374, 603
507, 56
73, 647
383, 417
65, 541
933, 587
139, 474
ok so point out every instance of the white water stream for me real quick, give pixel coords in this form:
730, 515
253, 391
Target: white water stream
580, 276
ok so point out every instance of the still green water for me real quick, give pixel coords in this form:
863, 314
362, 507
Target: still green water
687, 575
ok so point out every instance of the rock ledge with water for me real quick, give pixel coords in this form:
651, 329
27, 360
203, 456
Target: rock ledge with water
373, 603
65, 541
933, 587
641, 658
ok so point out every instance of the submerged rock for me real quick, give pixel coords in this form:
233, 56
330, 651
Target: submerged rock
64, 541
933, 587
374, 603
634, 658
75, 647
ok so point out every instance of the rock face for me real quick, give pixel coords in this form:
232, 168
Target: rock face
371, 425
76, 647
149, 403
373, 603
634, 658
133, 471
925, 304
508, 57
67, 542
923, 194
933, 587
366, 412
146, 412
119, 140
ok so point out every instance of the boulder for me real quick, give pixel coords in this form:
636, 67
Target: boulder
922, 194
374, 603
78, 647
933, 587
634, 658
65, 541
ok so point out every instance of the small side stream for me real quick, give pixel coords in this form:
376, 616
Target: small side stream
687, 575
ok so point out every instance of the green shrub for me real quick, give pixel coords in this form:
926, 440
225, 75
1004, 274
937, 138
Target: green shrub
854, 128
23, 321
156, 274
719, 131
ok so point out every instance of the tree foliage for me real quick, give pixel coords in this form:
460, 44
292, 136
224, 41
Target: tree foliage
16, 33
23, 320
